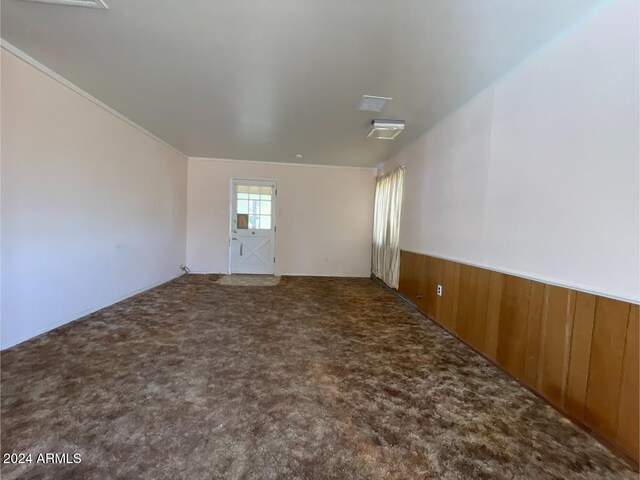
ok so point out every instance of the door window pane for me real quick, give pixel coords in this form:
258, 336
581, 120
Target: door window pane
242, 221
265, 222
265, 208
243, 206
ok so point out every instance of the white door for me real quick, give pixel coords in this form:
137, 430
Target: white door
253, 229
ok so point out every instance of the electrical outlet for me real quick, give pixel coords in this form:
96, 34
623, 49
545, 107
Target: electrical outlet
439, 290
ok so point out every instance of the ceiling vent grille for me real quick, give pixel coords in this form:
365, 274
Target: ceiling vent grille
370, 103
74, 3
386, 129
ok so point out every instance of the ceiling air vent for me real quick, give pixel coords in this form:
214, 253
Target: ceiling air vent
74, 3
386, 129
370, 103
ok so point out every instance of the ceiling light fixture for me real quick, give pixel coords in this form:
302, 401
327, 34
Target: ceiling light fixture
371, 103
386, 129
75, 3
299, 155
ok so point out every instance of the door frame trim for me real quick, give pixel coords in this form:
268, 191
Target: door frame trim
274, 215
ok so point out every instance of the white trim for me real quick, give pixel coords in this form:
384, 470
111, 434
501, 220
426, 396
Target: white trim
317, 165
76, 3
517, 273
81, 314
324, 275
71, 86
321, 275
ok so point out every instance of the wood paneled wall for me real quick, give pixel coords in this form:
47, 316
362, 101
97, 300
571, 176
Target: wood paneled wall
577, 350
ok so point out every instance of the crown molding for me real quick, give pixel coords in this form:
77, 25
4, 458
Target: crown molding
282, 164
73, 87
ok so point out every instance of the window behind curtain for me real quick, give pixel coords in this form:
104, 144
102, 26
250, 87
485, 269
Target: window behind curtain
386, 227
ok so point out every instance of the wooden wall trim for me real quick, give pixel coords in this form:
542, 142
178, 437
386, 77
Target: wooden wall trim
576, 350
545, 281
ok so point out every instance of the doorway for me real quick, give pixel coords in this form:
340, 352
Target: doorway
253, 228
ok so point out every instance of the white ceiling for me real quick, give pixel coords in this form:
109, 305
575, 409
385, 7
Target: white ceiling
267, 79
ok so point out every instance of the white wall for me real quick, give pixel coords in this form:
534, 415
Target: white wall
324, 216
539, 174
93, 210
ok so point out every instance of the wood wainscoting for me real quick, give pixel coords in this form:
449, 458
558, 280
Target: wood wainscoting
577, 350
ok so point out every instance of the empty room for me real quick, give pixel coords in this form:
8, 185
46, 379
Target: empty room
338, 239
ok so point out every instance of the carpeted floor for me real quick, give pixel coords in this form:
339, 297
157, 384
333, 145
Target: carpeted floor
314, 378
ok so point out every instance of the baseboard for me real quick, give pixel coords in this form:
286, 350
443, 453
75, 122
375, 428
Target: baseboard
323, 275
290, 274
81, 314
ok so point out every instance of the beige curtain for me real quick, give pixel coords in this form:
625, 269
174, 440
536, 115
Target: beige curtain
386, 227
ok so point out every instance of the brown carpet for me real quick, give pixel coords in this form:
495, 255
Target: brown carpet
313, 378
